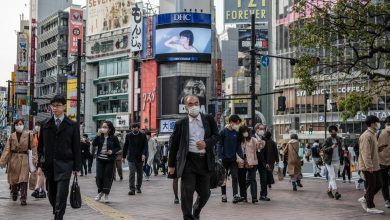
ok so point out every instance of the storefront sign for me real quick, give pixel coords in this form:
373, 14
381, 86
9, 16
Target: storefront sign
148, 97
71, 93
22, 51
240, 11
167, 126
104, 48
122, 121
136, 27
361, 116
340, 90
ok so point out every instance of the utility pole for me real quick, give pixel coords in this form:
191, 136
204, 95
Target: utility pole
78, 81
8, 103
326, 96
253, 70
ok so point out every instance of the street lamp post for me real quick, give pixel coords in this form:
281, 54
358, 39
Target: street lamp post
253, 70
78, 81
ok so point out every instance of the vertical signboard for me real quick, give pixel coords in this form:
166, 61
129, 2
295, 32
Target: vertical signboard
22, 51
76, 30
136, 27
147, 43
71, 95
219, 77
149, 94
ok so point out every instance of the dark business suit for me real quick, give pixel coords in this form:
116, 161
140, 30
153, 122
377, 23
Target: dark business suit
60, 148
194, 169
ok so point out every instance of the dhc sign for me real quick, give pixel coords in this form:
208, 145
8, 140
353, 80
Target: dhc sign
186, 18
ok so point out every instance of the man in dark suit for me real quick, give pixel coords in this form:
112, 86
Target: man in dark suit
192, 157
59, 154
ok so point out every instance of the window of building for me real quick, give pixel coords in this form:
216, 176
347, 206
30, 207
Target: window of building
241, 110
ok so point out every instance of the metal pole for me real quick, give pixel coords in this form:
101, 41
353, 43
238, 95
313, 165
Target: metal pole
150, 115
325, 108
253, 70
78, 81
8, 102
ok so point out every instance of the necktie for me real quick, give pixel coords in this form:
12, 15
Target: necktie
58, 122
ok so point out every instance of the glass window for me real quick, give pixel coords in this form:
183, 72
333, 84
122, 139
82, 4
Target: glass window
102, 70
102, 107
125, 67
115, 106
124, 106
125, 86
110, 69
115, 68
115, 87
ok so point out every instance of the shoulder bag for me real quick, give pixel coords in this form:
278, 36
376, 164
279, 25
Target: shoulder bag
30, 156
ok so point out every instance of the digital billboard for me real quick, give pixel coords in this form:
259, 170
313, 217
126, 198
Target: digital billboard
183, 37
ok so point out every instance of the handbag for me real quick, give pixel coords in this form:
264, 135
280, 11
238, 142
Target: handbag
75, 194
353, 168
217, 177
280, 174
31, 165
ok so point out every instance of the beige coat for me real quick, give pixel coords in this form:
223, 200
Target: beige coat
294, 163
384, 141
368, 151
250, 148
17, 163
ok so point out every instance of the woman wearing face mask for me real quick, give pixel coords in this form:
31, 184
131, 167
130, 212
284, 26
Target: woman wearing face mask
347, 164
15, 156
247, 163
107, 147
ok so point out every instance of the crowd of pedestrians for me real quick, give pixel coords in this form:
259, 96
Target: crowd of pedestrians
48, 157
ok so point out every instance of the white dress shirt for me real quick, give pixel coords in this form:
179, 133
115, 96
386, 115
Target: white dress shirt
61, 118
196, 133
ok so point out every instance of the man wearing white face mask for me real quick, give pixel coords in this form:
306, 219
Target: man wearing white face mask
384, 160
191, 157
228, 149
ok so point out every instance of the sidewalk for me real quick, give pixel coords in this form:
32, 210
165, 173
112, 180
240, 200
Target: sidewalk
156, 202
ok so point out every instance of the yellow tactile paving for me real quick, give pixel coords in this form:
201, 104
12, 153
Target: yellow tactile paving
106, 210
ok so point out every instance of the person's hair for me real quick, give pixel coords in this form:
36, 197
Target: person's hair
257, 126
85, 135
317, 141
234, 118
333, 128
38, 123
187, 97
148, 133
17, 121
387, 119
241, 131
58, 98
110, 127
294, 136
371, 119
135, 126
268, 135
188, 34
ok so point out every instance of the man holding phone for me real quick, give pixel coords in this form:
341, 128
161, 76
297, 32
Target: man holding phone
333, 158
384, 160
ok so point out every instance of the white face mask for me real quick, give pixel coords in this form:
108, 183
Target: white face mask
19, 128
37, 128
260, 132
388, 127
194, 111
104, 130
236, 127
378, 125
245, 134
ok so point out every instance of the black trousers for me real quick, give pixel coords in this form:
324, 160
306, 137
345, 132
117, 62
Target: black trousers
233, 168
90, 162
195, 177
385, 182
104, 175
263, 180
84, 165
347, 170
58, 195
156, 166
135, 167
285, 163
247, 178
374, 184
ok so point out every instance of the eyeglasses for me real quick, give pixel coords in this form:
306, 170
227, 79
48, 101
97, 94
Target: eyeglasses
57, 105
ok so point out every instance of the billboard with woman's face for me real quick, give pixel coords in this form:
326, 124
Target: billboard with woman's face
183, 37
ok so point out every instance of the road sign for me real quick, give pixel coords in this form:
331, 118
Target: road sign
321, 118
265, 61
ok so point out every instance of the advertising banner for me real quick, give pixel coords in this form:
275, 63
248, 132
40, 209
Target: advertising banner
76, 29
149, 94
122, 121
22, 52
240, 11
244, 42
180, 87
107, 15
136, 27
148, 35
183, 37
167, 126
108, 47
71, 93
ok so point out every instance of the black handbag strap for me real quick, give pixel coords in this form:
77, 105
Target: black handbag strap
75, 179
29, 141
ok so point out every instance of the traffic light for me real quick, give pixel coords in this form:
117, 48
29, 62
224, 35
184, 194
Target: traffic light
310, 130
34, 109
282, 103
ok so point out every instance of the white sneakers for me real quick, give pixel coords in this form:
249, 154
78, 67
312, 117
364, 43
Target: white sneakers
106, 198
374, 211
363, 202
99, 197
